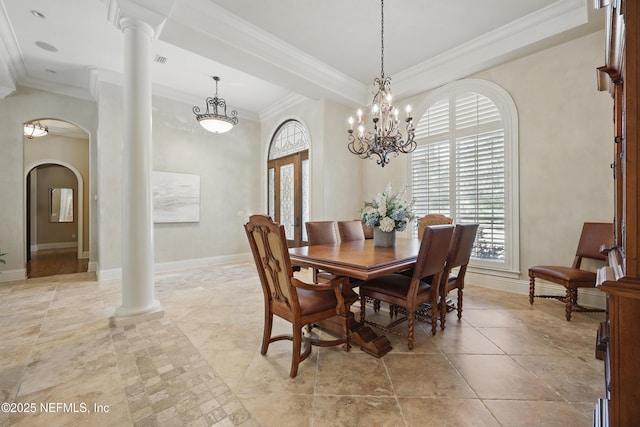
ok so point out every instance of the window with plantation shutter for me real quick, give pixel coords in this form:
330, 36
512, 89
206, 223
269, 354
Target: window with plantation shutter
465, 167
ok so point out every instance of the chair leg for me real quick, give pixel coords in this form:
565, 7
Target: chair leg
460, 303
569, 303
266, 334
532, 287
297, 347
434, 314
410, 329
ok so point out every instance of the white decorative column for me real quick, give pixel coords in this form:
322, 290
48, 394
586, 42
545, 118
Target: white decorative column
138, 291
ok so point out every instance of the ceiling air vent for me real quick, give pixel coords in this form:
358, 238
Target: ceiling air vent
160, 59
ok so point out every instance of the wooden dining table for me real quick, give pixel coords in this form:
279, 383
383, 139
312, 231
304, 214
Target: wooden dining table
361, 260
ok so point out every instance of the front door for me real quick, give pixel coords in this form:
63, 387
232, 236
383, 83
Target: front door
289, 195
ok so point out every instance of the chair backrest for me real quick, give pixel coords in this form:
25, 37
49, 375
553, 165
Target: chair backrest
433, 252
269, 247
594, 235
461, 245
321, 232
431, 219
350, 230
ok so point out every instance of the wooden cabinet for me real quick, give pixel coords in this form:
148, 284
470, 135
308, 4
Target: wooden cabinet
619, 337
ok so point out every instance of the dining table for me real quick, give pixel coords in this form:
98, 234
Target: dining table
359, 260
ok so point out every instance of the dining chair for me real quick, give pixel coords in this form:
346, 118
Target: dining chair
593, 236
321, 233
432, 219
409, 293
289, 298
458, 257
351, 230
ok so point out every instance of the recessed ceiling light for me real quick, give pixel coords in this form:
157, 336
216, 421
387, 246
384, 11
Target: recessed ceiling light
46, 46
38, 14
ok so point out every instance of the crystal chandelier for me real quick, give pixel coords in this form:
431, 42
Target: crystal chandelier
386, 138
35, 130
211, 119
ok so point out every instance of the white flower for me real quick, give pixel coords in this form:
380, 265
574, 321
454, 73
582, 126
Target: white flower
387, 224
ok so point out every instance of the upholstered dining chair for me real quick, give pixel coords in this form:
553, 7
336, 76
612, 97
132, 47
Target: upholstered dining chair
458, 257
287, 297
351, 230
593, 236
409, 293
321, 233
432, 219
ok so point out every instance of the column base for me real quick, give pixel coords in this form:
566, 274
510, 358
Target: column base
122, 318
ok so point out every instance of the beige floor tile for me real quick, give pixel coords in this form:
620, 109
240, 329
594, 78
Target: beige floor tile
425, 375
423, 412
500, 377
356, 411
537, 413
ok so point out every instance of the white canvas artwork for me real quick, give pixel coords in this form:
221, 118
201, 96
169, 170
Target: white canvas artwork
176, 197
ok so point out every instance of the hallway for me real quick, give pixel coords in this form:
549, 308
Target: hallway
50, 262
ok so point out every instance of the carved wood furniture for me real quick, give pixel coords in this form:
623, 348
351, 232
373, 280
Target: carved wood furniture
618, 342
359, 259
432, 219
289, 298
409, 293
593, 236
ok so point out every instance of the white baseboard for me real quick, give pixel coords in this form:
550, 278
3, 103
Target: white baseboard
164, 267
57, 245
587, 297
13, 275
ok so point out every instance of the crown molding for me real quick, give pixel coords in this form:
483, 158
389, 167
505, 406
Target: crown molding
284, 106
489, 49
211, 31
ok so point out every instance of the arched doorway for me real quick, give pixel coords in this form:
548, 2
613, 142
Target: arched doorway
56, 200
288, 180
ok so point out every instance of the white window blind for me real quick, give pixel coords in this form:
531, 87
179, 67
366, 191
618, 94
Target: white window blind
458, 168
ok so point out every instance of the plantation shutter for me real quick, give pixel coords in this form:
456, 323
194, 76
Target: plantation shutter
458, 168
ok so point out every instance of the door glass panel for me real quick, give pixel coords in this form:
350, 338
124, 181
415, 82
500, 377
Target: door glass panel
287, 212
271, 209
305, 198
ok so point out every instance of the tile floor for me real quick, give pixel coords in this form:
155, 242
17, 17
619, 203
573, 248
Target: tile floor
505, 364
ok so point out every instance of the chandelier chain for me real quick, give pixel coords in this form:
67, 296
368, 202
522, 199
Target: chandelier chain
382, 39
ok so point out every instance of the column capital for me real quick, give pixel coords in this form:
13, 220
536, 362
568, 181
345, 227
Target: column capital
152, 12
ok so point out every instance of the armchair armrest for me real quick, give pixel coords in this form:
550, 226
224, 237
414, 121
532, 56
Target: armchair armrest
335, 285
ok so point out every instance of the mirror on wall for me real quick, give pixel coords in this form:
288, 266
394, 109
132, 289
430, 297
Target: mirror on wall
60, 205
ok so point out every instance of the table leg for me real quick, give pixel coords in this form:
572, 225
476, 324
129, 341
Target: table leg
362, 335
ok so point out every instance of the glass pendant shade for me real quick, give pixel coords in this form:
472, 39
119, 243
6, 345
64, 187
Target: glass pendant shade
35, 130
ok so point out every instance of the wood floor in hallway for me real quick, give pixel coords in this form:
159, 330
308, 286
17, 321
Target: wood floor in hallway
51, 262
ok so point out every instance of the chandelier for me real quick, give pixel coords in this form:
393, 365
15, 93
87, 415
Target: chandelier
35, 130
212, 119
386, 138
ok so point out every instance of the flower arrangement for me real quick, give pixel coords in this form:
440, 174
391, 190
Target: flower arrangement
388, 211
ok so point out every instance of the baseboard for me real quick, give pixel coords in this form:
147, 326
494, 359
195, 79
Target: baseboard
588, 297
13, 275
58, 245
92, 266
164, 267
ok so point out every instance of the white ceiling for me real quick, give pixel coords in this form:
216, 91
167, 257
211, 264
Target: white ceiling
269, 52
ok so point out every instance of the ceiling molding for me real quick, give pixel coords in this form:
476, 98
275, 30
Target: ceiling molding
213, 32
11, 65
281, 107
491, 48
